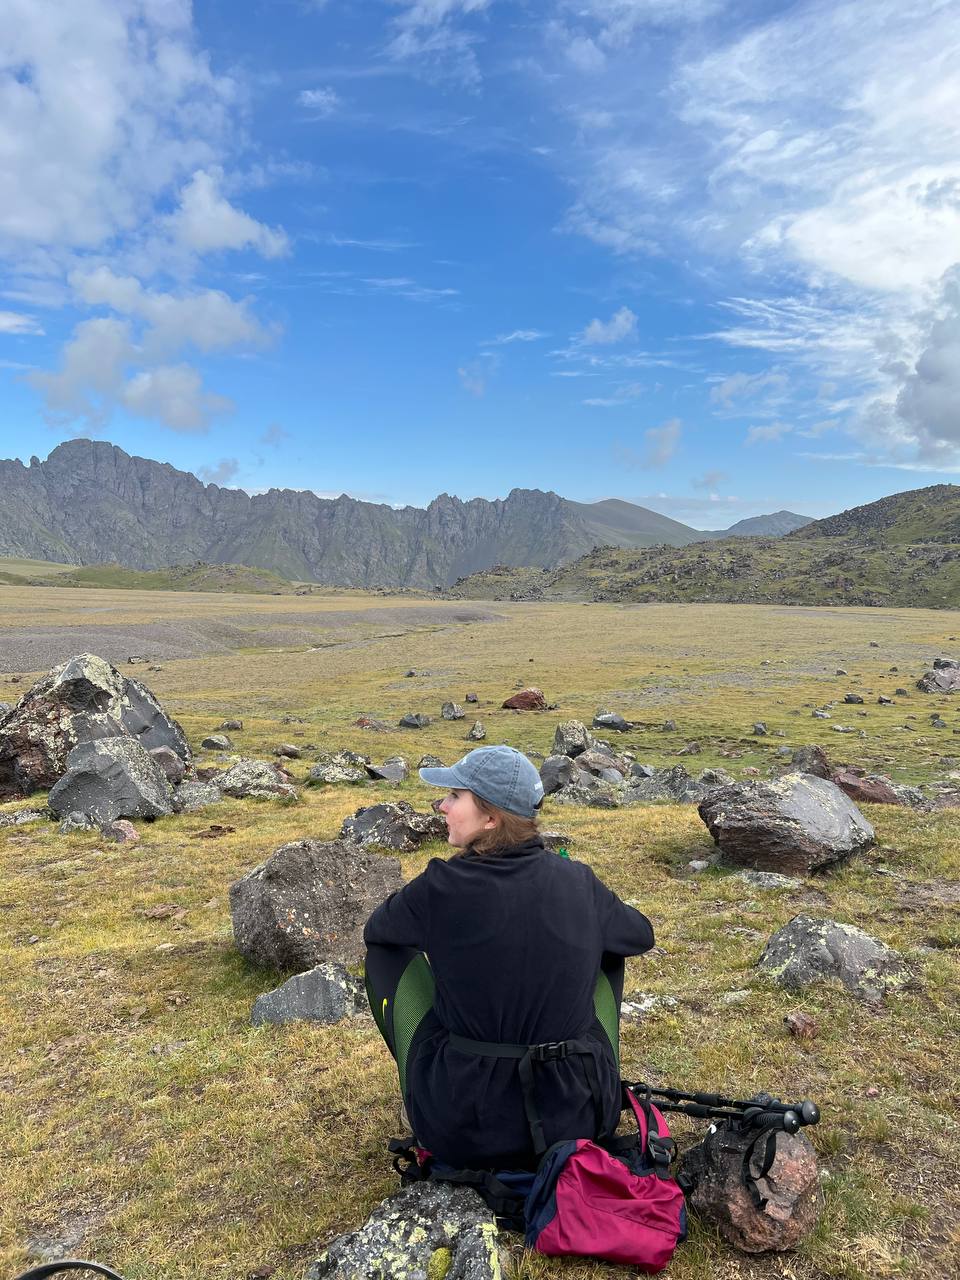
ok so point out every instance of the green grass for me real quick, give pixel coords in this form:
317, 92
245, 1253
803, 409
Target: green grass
183, 577
140, 1104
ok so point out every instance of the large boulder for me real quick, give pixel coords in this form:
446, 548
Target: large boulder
944, 678
427, 1231
308, 903
324, 994
112, 778
612, 721
393, 826
526, 700
875, 788
775, 1209
807, 950
83, 700
811, 759
666, 786
570, 738
794, 824
192, 795
558, 771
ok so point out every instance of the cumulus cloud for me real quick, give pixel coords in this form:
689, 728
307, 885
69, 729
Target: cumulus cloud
621, 325
174, 396
929, 400
206, 221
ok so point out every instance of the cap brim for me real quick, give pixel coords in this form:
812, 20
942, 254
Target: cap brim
445, 777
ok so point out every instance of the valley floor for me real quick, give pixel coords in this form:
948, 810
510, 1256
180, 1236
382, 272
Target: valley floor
146, 1123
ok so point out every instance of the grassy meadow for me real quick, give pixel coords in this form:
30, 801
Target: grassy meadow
146, 1124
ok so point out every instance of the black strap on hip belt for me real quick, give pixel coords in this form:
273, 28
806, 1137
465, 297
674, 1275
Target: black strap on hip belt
527, 1055
46, 1269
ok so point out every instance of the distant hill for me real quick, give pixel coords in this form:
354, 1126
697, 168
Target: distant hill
775, 525
919, 515
183, 577
91, 503
870, 555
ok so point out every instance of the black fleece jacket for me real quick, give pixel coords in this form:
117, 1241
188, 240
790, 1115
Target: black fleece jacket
515, 941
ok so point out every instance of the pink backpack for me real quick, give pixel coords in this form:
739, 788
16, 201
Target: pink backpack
625, 1208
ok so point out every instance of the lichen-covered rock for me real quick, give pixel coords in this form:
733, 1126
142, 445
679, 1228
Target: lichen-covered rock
477, 732
944, 678
193, 795
612, 721
811, 759
22, 816
331, 773
571, 738
427, 1231
452, 711
256, 778
590, 791
216, 742
324, 994
393, 769
308, 903
83, 700
558, 771
795, 824
807, 950
393, 826
789, 1192
670, 786
76, 821
112, 778
414, 720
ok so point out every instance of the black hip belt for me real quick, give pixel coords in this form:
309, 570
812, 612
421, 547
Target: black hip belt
527, 1055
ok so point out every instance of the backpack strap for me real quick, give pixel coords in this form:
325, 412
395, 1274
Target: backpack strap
655, 1142
527, 1055
67, 1264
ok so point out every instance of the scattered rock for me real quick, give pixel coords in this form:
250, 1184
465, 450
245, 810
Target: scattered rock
669, 726
767, 880
884, 701
841, 671
853, 698
797, 823
171, 764
807, 950
557, 771
21, 817
602, 764
293, 720
638, 1006
192, 795
812, 760
471, 697
865, 788
789, 1192
801, 1025
213, 832
288, 751
414, 720
427, 1231
256, 779
308, 903
216, 742
121, 831
335, 773
690, 749
944, 678
571, 738
372, 723
613, 721
76, 821
393, 769
429, 762
112, 778
760, 729
526, 700
817, 714
477, 732
393, 826
232, 725
324, 994
452, 711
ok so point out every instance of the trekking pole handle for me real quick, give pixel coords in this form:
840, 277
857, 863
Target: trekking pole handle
787, 1120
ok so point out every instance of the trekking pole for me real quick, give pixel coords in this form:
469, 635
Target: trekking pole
761, 1112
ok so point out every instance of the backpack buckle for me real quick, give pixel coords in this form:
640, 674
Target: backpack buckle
553, 1049
662, 1152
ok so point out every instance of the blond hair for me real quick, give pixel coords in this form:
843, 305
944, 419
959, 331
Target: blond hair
511, 829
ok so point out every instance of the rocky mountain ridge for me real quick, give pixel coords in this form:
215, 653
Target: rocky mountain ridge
92, 503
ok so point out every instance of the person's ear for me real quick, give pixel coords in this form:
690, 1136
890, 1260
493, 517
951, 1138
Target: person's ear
490, 823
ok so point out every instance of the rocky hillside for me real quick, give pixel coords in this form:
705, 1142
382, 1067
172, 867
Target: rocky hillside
917, 516
90, 503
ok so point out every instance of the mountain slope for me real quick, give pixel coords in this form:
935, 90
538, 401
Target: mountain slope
919, 515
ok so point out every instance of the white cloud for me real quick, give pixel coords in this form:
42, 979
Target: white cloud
321, 102
583, 54
621, 396
709, 480
224, 471
772, 431
662, 442
928, 402
174, 396
744, 385
17, 323
517, 335
90, 379
206, 221
428, 39
621, 325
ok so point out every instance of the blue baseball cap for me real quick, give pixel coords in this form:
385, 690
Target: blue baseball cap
499, 775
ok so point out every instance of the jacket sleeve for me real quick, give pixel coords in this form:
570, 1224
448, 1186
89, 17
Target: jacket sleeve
402, 920
626, 931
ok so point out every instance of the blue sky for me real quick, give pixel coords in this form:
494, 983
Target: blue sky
700, 255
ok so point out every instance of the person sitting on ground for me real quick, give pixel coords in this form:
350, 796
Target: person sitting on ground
496, 976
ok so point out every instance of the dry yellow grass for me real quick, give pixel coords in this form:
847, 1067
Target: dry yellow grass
141, 1109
